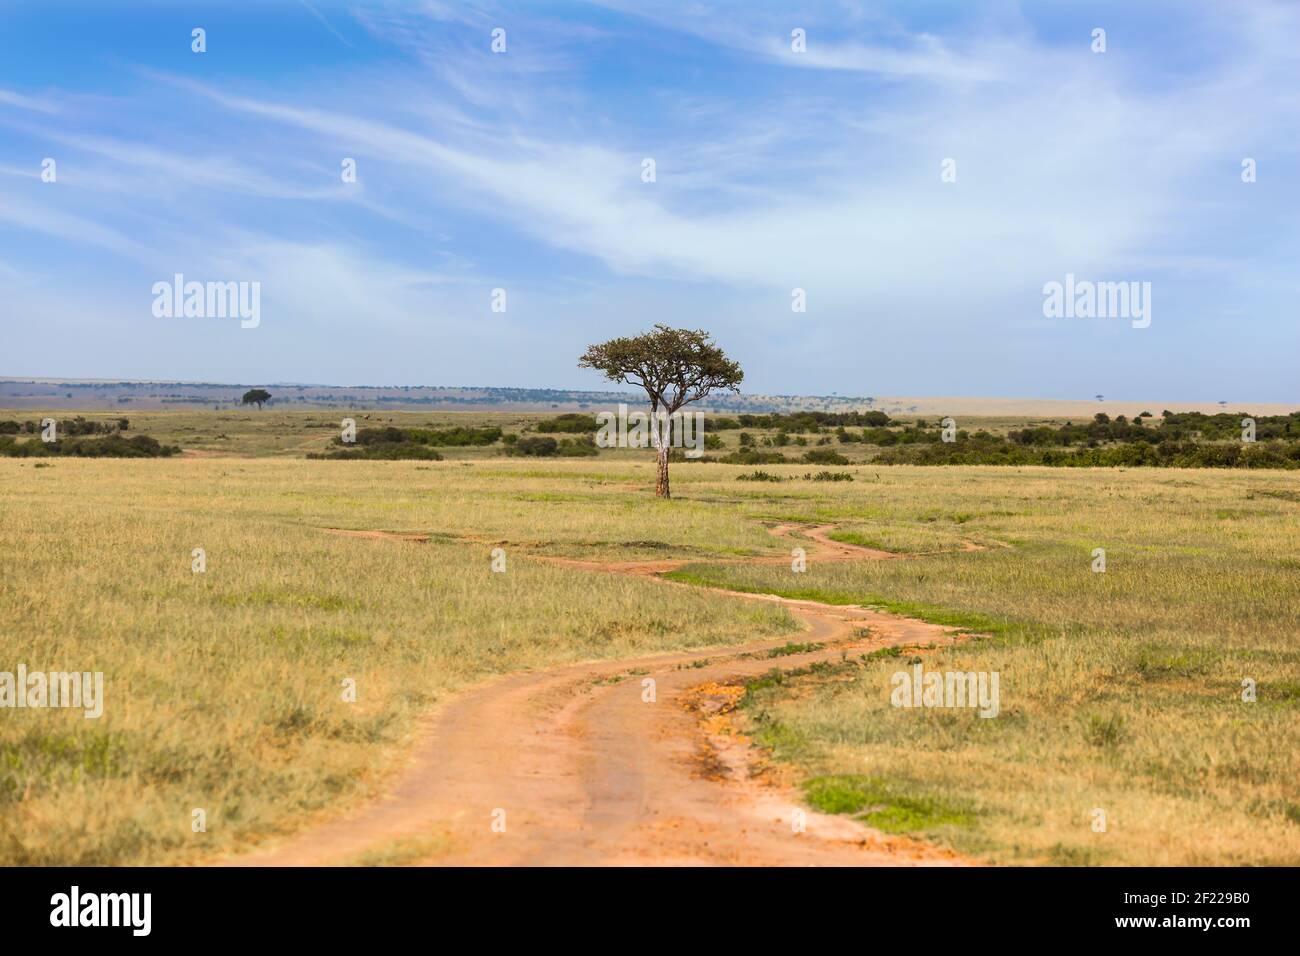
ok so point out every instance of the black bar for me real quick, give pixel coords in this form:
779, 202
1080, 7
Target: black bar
942, 905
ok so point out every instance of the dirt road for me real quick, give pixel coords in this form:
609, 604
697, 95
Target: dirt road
583, 765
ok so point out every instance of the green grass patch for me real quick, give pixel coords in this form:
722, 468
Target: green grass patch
880, 803
794, 648
717, 577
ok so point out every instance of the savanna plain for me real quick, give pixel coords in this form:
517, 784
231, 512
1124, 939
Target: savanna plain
1120, 690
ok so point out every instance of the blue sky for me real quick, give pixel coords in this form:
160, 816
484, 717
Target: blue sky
775, 170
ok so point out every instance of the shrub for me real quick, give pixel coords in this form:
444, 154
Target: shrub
749, 456
824, 456
383, 451
1129, 455
577, 448
455, 437
536, 446
111, 446
440, 437
571, 423
67, 428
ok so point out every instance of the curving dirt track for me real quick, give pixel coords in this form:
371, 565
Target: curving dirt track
588, 772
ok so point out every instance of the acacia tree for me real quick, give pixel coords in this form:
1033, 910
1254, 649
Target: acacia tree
256, 396
675, 367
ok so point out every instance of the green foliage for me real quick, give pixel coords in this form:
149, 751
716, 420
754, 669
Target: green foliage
408, 444
675, 366
456, 437
381, 451
540, 447
1275, 454
67, 427
750, 456
571, 424
812, 421
824, 456
577, 448
1172, 427
110, 446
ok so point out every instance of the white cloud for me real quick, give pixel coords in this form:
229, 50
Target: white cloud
11, 98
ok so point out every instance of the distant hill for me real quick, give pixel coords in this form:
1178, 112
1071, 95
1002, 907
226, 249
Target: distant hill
86, 394
89, 394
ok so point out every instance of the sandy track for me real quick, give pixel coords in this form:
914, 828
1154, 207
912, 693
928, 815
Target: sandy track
589, 772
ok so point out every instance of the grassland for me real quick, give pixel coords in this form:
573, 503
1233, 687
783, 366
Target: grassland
281, 432
1120, 691
223, 689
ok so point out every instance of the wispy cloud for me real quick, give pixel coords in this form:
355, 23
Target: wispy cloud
75, 229
326, 24
10, 98
823, 45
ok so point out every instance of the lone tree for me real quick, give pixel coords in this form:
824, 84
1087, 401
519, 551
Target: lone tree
256, 396
675, 367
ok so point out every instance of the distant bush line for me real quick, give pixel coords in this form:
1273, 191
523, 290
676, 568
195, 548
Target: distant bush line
73, 441
68, 427
436, 437
542, 447
1171, 427
1128, 455
406, 444
381, 451
813, 422
1174, 440
573, 423
110, 446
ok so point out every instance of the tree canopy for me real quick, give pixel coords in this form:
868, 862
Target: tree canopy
674, 366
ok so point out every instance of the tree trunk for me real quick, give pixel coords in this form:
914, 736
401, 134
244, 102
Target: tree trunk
661, 471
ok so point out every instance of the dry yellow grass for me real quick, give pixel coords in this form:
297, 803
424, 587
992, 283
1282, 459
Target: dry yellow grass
223, 689
1120, 691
